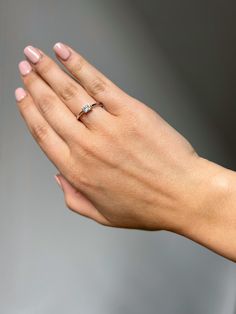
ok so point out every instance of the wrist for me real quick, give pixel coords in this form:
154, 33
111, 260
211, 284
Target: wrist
210, 218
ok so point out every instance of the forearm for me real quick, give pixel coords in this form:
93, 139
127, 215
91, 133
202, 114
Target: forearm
211, 221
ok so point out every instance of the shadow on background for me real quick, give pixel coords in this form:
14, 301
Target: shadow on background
198, 38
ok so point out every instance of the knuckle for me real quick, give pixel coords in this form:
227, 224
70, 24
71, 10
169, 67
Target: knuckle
69, 91
40, 132
96, 86
45, 103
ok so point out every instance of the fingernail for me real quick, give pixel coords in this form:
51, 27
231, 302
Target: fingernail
32, 54
24, 67
62, 51
20, 94
58, 180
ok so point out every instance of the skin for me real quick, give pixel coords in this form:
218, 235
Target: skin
124, 165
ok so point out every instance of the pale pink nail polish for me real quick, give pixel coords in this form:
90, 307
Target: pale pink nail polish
20, 94
62, 51
58, 180
24, 67
32, 54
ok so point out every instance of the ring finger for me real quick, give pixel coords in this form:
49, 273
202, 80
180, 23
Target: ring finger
68, 90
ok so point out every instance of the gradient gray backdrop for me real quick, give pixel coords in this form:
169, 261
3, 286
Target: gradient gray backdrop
179, 58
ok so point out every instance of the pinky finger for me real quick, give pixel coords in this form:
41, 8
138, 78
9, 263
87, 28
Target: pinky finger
49, 141
78, 203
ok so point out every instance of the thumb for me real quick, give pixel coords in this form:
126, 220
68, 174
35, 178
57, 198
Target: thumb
78, 202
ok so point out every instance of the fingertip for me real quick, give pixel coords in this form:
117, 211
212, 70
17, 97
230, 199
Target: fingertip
62, 51
20, 94
56, 45
24, 67
33, 54
28, 47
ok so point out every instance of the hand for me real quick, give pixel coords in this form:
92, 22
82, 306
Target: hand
122, 165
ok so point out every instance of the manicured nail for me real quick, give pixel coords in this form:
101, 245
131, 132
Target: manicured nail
24, 67
62, 51
32, 54
58, 180
20, 94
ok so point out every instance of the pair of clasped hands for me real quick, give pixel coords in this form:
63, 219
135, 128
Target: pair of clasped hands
122, 165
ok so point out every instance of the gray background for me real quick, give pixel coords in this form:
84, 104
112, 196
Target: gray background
179, 58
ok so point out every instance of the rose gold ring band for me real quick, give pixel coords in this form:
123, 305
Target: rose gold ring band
88, 107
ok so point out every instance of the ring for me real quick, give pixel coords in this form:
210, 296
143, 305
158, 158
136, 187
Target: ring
88, 107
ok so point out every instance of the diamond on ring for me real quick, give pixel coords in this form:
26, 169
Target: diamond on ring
86, 108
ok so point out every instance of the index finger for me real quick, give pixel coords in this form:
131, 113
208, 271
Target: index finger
55, 112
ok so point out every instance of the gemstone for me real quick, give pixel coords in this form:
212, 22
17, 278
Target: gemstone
86, 108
